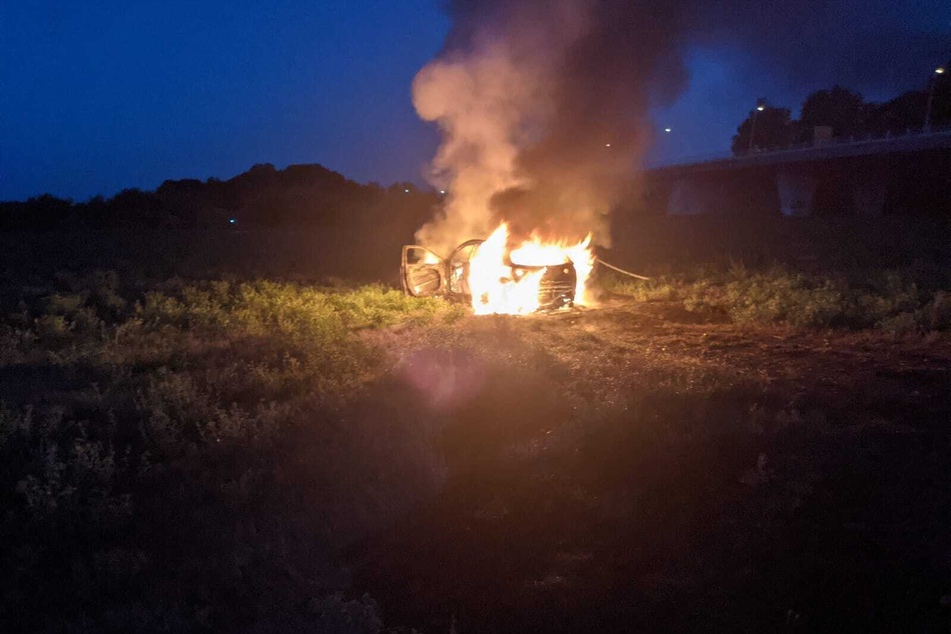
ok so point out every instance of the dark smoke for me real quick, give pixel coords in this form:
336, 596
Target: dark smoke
543, 103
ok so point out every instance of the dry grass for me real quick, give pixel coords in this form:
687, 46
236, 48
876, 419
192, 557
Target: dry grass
892, 300
128, 413
219, 454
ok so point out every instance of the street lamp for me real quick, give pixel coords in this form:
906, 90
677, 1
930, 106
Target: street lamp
760, 106
934, 79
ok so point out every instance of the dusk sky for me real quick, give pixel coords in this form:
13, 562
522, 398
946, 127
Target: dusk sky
99, 96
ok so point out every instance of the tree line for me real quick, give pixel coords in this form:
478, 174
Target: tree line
299, 195
842, 113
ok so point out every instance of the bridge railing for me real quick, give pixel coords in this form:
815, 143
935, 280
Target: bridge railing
835, 142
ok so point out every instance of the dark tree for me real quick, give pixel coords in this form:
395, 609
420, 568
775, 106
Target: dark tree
40, 212
910, 110
838, 108
48, 211
771, 128
135, 207
402, 188
309, 197
901, 114
184, 202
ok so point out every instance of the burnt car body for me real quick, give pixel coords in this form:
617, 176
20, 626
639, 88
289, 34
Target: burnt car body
425, 274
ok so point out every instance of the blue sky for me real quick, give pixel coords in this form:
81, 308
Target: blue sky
98, 96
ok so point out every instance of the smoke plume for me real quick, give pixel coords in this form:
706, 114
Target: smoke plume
542, 106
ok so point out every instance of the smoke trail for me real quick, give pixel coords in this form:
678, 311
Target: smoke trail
542, 105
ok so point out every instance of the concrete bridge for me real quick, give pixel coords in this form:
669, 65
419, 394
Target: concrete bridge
903, 174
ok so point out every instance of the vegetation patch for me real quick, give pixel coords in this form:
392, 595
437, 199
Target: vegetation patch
227, 454
894, 300
206, 429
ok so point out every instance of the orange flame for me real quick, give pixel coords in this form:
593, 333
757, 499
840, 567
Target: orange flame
500, 286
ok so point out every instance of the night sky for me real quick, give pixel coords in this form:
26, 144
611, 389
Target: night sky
98, 96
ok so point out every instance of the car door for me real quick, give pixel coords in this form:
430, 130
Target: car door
457, 267
422, 272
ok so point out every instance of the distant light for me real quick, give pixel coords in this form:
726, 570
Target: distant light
405, 191
232, 220
666, 129
761, 108
939, 70
442, 191
607, 145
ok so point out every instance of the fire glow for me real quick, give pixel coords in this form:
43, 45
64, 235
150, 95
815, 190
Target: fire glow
509, 281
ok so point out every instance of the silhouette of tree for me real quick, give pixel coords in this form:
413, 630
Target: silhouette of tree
47, 211
773, 129
298, 196
402, 188
903, 113
39, 212
838, 108
136, 207
91, 212
848, 115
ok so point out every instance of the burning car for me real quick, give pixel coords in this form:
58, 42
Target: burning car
495, 278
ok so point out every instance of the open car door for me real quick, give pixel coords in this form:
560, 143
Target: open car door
423, 273
457, 267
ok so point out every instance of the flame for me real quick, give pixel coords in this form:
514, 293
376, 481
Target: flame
429, 257
500, 285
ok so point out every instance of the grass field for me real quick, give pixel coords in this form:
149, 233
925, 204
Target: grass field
893, 300
727, 447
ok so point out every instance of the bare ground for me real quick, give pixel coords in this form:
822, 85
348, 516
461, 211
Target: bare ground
641, 467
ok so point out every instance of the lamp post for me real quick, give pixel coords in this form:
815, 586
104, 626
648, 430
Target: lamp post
934, 79
760, 106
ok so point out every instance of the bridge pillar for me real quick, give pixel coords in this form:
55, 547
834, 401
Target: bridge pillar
688, 197
797, 188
